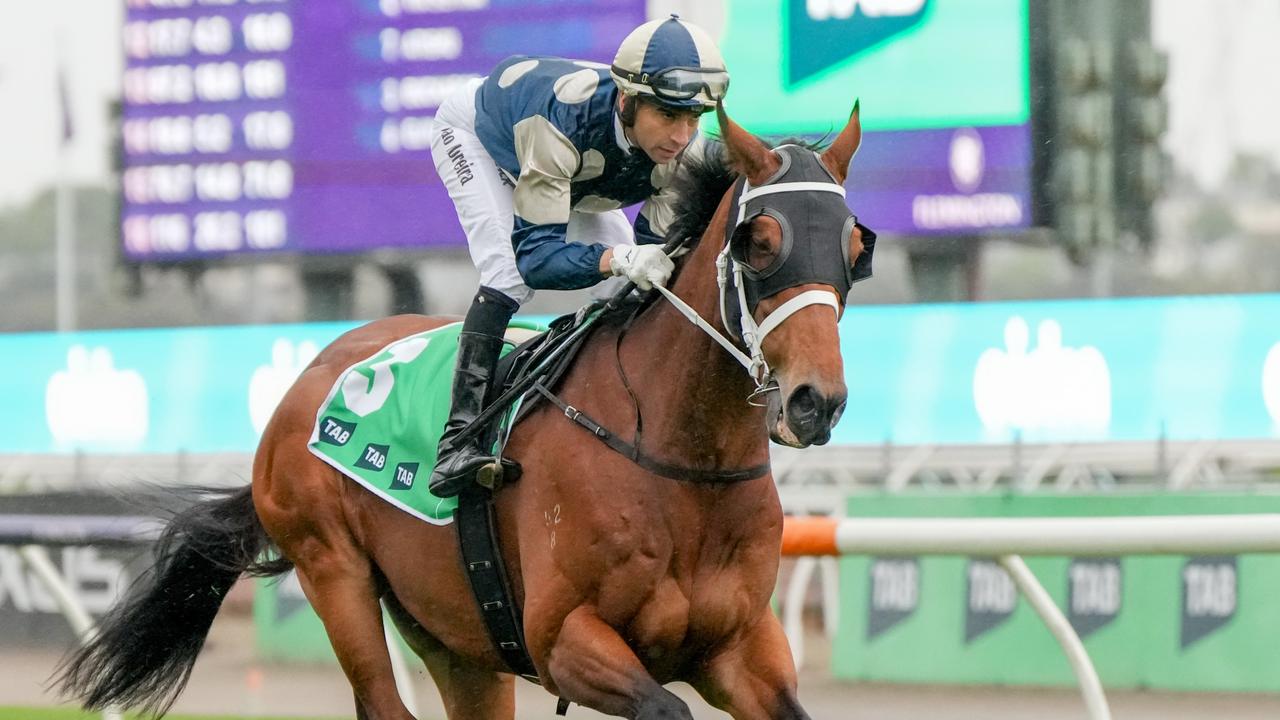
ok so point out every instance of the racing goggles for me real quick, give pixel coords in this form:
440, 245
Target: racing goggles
681, 83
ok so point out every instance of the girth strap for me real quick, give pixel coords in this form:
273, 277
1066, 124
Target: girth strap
632, 453
481, 558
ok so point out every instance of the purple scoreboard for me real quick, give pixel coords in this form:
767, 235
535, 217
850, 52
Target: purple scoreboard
304, 126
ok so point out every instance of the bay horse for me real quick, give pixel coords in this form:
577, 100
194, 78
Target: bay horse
627, 580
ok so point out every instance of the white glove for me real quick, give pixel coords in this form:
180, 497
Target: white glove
644, 265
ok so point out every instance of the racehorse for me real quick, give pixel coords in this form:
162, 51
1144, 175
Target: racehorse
628, 580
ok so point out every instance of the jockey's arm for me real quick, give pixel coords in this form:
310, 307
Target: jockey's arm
658, 211
548, 161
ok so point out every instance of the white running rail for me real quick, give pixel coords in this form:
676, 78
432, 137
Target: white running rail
1006, 539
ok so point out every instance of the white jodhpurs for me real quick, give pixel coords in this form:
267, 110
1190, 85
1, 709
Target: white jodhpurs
482, 196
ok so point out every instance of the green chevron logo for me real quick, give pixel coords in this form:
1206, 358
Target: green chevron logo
821, 34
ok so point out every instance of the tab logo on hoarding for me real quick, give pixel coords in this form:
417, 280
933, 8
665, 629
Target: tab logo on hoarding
991, 598
821, 34
1094, 594
894, 593
1210, 593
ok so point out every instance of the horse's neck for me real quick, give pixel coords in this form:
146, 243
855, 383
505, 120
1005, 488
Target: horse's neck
693, 393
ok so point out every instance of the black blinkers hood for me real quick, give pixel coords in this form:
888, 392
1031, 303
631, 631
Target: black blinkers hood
816, 226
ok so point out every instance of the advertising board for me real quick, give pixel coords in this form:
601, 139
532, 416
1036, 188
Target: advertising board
945, 93
1182, 369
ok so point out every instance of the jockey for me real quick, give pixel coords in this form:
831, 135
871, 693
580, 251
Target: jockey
538, 158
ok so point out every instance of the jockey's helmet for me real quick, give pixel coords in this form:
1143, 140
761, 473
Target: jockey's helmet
673, 61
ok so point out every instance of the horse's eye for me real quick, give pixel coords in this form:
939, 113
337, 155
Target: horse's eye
763, 246
855, 244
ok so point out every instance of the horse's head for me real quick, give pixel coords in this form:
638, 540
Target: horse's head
792, 251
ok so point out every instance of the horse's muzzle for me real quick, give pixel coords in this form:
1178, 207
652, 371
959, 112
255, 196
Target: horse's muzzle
807, 417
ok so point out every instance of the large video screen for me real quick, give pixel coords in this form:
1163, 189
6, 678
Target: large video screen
945, 94
304, 126
261, 126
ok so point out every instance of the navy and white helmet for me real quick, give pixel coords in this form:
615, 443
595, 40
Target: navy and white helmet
674, 61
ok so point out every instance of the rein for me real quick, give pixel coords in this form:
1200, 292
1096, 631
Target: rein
753, 336
632, 452
730, 268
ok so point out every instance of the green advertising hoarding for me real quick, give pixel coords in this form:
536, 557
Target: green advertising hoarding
1187, 623
797, 65
286, 628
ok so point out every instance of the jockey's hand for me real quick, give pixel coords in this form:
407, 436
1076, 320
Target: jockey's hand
644, 265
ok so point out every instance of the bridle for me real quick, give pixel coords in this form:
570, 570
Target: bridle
802, 193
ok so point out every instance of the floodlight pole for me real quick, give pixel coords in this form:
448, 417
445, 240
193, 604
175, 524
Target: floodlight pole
64, 242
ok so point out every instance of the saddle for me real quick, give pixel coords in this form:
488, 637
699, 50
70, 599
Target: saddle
538, 361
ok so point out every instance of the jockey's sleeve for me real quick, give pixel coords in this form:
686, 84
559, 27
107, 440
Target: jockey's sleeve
658, 211
548, 162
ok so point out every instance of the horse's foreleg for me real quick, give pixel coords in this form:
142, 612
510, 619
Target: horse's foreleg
591, 665
340, 585
754, 678
469, 692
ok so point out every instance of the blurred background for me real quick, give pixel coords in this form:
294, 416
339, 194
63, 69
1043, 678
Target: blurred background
1136, 148
1075, 308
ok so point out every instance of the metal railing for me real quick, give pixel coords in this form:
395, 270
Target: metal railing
1008, 539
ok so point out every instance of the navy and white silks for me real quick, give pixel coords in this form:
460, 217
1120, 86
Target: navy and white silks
536, 162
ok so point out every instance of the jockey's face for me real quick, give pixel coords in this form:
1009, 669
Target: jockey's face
663, 132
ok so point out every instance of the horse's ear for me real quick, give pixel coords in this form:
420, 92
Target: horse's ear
747, 154
840, 154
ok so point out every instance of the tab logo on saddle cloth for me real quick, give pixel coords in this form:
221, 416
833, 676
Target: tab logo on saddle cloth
374, 457
336, 432
383, 418
384, 415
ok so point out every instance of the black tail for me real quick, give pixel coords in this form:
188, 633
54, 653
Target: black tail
148, 643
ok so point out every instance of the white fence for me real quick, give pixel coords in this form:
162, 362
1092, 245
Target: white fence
1007, 539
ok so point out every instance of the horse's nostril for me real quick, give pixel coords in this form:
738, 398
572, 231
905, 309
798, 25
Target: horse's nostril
803, 405
811, 414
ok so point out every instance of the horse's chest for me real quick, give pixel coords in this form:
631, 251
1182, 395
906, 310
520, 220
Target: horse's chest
678, 626
684, 610
674, 585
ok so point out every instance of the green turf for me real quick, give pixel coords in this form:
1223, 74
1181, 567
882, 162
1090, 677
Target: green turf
21, 713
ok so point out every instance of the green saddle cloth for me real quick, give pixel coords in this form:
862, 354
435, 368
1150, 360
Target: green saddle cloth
383, 418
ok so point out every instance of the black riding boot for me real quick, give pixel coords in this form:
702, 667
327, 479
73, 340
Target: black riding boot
479, 346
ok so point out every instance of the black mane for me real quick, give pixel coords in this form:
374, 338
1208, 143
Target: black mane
702, 181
